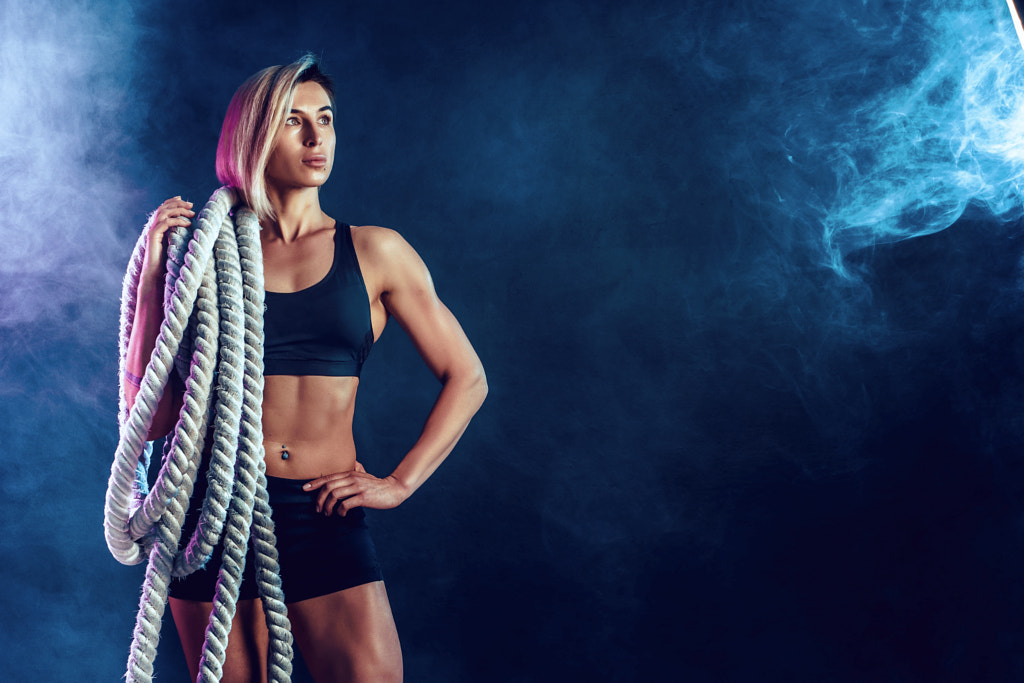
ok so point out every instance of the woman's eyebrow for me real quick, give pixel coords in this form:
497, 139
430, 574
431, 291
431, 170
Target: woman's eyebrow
326, 107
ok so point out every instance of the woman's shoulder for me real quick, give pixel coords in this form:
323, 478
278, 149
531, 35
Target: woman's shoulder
375, 236
386, 258
377, 243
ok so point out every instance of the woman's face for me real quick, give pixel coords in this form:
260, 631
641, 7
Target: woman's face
303, 152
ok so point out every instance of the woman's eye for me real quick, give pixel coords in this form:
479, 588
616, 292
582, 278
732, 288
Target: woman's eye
326, 120
291, 121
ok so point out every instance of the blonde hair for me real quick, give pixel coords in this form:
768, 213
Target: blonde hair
254, 116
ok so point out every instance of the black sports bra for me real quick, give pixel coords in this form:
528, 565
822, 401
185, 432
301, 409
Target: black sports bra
324, 329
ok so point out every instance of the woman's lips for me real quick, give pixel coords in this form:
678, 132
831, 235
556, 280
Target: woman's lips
318, 161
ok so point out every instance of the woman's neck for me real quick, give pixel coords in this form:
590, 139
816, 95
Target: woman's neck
297, 212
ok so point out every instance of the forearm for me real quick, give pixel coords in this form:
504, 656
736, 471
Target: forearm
149, 317
149, 313
460, 398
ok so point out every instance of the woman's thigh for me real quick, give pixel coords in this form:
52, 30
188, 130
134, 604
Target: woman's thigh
245, 658
349, 635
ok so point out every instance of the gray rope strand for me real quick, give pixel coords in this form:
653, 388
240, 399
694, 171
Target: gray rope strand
225, 451
196, 411
126, 493
165, 536
187, 446
226, 295
218, 336
207, 328
268, 576
129, 298
247, 367
163, 545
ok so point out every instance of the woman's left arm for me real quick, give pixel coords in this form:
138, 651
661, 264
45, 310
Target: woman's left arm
408, 295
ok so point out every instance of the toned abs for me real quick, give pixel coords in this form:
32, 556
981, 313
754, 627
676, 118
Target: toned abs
309, 417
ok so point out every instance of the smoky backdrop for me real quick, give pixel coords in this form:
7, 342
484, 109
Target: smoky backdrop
745, 277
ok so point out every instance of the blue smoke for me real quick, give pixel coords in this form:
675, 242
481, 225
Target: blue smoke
68, 215
67, 128
872, 123
915, 156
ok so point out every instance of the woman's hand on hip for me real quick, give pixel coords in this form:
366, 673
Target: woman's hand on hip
342, 491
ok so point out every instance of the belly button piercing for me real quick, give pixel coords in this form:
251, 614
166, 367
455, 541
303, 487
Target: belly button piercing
284, 452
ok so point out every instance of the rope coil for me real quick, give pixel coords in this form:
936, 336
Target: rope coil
213, 333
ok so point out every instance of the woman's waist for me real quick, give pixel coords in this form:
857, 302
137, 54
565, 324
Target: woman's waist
286, 476
306, 458
289, 502
297, 458
288, 493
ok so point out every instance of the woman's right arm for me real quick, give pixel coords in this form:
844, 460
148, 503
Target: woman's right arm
149, 314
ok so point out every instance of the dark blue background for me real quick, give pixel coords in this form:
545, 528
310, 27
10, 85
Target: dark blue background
704, 456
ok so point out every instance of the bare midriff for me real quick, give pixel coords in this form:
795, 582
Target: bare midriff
309, 418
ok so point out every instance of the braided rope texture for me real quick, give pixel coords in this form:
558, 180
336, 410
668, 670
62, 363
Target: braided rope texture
213, 331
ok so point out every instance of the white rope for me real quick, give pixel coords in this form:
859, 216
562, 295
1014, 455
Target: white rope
213, 327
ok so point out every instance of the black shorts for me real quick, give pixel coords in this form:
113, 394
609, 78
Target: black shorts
318, 555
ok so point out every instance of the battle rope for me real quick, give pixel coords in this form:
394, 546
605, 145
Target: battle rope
213, 328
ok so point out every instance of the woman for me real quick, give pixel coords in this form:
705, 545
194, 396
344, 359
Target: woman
330, 290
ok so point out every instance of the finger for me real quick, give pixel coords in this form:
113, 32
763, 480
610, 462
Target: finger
175, 205
321, 500
330, 495
332, 503
350, 504
359, 467
172, 221
161, 227
165, 217
179, 208
176, 200
175, 212
320, 482
314, 484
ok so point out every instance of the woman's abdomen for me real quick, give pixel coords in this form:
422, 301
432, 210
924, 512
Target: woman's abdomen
307, 425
